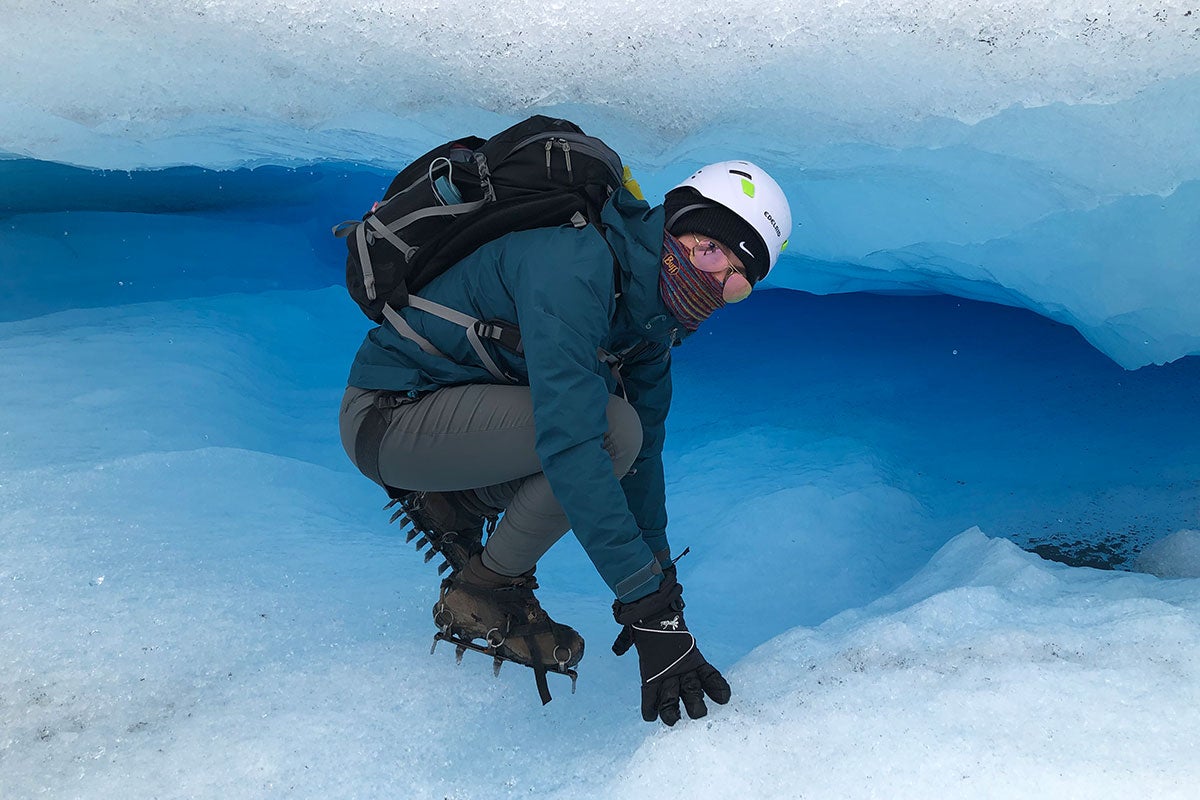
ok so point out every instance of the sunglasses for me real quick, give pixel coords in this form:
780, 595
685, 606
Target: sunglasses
709, 256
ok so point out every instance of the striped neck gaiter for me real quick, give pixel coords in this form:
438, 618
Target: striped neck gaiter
691, 295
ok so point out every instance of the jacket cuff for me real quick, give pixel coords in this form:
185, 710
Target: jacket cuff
641, 583
656, 539
668, 595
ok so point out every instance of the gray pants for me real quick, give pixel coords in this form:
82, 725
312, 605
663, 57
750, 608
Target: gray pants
481, 437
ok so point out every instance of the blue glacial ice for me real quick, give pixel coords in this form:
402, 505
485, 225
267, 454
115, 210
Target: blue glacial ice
981, 343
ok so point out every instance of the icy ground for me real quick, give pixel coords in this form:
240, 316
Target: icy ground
198, 598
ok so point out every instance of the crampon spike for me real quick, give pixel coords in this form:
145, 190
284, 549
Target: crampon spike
412, 534
422, 542
397, 514
462, 645
430, 554
445, 565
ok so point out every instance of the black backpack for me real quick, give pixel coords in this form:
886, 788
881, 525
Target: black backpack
459, 196
465, 193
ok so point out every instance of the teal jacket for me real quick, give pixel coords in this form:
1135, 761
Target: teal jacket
557, 284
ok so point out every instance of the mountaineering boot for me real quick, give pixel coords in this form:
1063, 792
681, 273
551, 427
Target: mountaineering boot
477, 603
451, 523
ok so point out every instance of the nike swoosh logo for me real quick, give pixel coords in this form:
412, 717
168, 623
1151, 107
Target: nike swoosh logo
745, 250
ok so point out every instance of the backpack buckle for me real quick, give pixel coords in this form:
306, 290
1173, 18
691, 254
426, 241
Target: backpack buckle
502, 333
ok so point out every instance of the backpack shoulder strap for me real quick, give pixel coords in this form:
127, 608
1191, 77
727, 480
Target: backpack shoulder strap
505, 334
401, 326
476, 330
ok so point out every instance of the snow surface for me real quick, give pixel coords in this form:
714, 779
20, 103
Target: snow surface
199, 597
1176, 556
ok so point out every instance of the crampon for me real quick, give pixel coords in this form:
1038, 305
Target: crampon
498, 659
445, 522
512, 625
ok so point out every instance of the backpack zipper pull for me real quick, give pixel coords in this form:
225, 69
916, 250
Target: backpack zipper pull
549, 144
566, 147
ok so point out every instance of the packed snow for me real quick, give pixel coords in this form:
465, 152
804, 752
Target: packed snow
905, 486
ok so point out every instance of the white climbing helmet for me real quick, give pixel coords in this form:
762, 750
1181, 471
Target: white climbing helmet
750, 193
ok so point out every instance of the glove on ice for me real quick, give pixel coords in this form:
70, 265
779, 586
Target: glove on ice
671, 665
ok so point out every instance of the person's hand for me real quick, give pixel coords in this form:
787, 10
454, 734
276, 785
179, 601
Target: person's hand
671, 665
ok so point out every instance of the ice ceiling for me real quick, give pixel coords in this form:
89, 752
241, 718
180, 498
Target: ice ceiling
1033, 154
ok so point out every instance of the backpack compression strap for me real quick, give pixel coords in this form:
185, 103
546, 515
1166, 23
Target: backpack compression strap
365, 237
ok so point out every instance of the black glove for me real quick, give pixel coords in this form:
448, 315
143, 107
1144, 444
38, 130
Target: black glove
671, 665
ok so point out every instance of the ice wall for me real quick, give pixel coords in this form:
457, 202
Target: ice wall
1034, 154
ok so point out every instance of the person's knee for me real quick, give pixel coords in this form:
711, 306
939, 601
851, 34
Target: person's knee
624, 438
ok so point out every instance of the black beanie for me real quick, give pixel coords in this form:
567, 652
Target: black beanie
703, 216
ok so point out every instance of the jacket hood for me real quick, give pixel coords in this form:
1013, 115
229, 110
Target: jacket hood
634, 230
